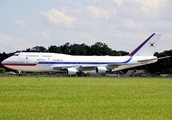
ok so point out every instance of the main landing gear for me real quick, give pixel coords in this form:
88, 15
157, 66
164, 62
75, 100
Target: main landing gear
20, 73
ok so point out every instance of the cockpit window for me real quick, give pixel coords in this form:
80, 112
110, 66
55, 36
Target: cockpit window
17, 54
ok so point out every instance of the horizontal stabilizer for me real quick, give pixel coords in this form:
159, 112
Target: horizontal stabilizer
147, 60
163, 57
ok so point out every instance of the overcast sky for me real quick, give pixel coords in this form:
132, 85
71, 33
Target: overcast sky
121, 24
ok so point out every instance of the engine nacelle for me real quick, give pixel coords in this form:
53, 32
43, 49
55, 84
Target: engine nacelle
102, 70
72, 71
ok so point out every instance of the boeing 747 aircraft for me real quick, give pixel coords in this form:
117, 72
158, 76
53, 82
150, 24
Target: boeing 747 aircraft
54, 62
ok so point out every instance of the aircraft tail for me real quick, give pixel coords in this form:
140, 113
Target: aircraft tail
148, 47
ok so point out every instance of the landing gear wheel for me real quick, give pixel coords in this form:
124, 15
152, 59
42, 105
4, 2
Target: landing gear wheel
20, 73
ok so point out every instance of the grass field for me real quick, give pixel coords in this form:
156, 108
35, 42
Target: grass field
85, 98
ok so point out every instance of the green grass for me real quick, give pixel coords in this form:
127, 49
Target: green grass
85, 98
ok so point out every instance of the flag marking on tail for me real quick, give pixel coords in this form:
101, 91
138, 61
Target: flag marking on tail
152, 44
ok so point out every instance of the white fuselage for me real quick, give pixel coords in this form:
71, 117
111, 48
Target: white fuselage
60, 62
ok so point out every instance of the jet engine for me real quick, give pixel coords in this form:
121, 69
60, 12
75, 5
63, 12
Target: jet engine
72, 71
102, 70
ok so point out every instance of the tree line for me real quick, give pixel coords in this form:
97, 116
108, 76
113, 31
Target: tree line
79, 49
99, 49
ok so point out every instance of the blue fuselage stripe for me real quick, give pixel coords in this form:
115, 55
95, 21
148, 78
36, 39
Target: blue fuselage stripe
87, 62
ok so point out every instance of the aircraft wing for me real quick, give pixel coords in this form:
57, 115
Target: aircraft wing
79, 67
61, 67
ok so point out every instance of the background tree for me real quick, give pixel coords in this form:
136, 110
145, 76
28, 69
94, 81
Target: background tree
65, 48
100, 49
122, 53
54, 49
2, 70
2, 57
88, 49
115, 53
77, 49
36, 49
39, 49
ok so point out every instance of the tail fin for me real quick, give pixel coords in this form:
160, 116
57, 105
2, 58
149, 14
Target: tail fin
148, 47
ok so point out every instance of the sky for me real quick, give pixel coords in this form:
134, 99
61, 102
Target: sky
121, 24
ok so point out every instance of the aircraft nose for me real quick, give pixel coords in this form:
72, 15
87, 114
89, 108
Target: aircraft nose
3, 62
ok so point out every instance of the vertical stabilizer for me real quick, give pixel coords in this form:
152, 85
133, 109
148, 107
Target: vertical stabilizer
148, 47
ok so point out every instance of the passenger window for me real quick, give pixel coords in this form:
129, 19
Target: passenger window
46, 55
31, 55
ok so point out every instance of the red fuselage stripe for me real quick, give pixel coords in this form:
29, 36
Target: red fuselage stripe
19, 64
